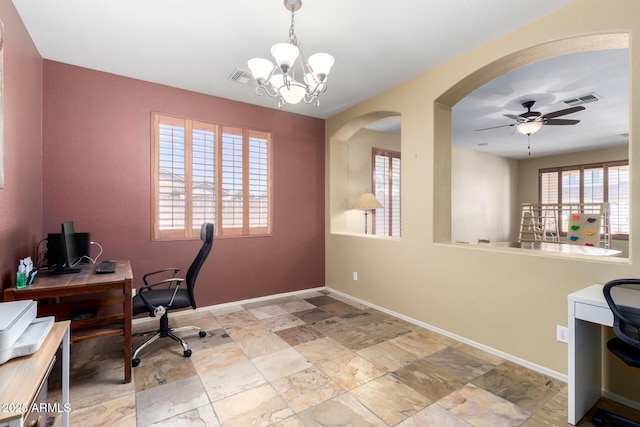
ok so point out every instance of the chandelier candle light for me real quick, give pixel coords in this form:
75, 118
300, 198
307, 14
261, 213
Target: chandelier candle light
279, 81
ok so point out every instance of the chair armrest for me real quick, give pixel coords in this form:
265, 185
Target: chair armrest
164, 270
149, 287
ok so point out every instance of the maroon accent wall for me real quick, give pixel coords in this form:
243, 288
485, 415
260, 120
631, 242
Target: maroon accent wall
21, 198
96, 171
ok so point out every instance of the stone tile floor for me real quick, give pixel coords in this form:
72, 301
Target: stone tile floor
315, 359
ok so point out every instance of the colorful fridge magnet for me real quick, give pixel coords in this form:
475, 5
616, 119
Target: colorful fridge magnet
575, 216
575, 227
589, 232
573, 238
591, 220
588, 244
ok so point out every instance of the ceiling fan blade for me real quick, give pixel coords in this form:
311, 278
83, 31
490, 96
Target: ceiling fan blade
496, 127
561, 122
513, 116
563, 112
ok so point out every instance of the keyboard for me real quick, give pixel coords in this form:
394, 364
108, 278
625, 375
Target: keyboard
106, 267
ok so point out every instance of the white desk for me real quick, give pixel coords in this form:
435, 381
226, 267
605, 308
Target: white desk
587, 311
23, 376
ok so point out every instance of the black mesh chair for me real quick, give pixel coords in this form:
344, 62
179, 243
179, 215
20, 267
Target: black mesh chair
623, 297
158, 298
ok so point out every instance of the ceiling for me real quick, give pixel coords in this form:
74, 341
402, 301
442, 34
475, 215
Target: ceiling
198, 44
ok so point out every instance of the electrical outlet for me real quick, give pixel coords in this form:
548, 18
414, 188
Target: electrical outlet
355, 276
562, 333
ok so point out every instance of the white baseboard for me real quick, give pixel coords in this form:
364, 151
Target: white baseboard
620, 399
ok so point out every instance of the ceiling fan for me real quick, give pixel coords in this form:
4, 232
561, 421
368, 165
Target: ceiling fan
531, 121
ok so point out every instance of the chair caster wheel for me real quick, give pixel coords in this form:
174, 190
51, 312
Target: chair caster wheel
187, 353
135, 362
202, 334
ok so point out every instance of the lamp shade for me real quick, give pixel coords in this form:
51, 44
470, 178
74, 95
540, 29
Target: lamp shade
260, 68
285, 55
527, 128
321, 64
367, 201
292, 94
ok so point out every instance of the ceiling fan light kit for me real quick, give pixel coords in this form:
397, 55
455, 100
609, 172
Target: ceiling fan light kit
279, 81
528, 128
531, 122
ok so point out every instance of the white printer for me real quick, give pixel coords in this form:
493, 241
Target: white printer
21, 333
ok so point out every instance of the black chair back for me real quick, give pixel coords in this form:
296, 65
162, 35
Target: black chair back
206, 235
623, 297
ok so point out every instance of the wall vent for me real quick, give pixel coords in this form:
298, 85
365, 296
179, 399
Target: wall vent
592, 97
240, 76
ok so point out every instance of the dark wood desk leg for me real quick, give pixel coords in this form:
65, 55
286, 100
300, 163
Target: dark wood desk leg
128, 315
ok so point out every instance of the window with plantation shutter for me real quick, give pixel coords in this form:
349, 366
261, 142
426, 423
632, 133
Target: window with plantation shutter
591, 183
618, 198
386, 187
209, 172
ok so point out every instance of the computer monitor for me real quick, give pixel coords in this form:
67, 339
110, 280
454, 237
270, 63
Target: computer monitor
54, 254
69, 252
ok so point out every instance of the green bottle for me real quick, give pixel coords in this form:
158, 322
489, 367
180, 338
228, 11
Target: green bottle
21, 279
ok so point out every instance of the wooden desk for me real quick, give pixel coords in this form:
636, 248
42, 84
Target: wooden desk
109, 293
22, 377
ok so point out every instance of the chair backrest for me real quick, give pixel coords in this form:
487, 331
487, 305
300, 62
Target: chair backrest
623, 297
206, 235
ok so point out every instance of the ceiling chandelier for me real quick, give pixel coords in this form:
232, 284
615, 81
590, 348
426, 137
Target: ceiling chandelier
279, 81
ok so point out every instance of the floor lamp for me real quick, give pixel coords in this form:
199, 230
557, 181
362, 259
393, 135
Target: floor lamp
366, 202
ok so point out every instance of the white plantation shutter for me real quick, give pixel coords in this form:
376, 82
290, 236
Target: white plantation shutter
208, 172
169, 176
381, 181
232, 182
593, 185
386, 188
549, 194
394, 214
618, 198
203, 182
549, 187
259, 182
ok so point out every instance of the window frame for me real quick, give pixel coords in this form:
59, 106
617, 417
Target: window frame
191, 231
390, 154
581, 168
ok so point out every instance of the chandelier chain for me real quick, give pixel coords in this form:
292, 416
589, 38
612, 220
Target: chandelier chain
293, 39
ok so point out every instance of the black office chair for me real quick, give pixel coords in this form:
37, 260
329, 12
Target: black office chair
158, 298
623, 297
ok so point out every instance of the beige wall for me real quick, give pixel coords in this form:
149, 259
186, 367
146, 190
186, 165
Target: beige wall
483, 197
508, 300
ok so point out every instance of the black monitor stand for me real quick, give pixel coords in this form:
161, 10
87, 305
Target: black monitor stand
65, 270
